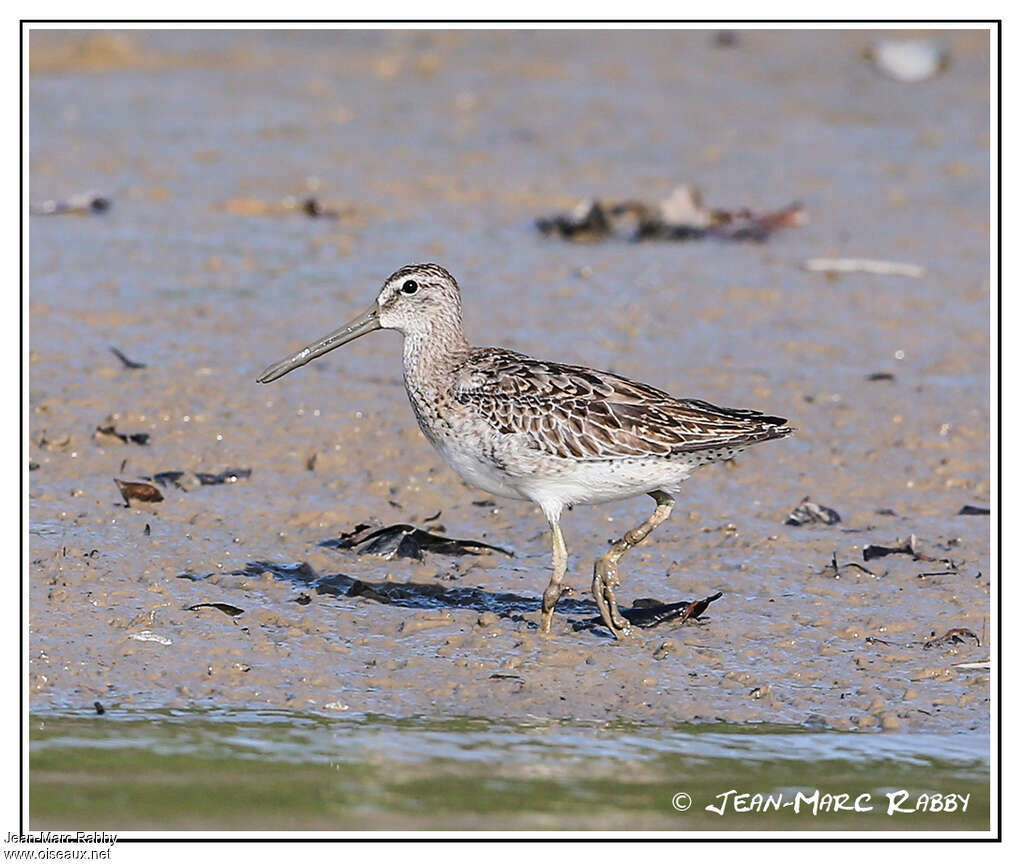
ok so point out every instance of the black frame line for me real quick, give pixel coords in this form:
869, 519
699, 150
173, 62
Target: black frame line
540, 23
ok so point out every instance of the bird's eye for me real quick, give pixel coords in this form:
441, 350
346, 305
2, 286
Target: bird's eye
410, 286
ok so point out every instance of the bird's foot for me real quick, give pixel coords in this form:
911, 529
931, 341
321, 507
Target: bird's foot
606, 578
552, 595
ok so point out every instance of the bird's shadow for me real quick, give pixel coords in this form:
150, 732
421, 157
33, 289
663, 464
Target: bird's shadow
430, 596
644, 613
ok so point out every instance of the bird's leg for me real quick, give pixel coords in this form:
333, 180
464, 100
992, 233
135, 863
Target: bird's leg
559, 559
606, 570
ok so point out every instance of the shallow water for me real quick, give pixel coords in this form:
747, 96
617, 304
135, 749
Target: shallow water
277, 770
446, 146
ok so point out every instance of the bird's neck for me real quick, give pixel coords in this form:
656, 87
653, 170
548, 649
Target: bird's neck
433, 352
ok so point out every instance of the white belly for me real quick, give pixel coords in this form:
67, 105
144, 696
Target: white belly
480, 473
599, 482
554, 484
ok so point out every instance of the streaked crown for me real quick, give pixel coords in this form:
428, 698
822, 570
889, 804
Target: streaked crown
420, 298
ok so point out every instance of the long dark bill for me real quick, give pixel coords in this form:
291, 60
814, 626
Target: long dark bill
365, 323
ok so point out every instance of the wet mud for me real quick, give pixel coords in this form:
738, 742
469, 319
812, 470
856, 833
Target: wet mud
446, 146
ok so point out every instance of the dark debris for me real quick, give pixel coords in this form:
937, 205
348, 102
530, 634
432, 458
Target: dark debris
811, 512
188, 481
314, 209
403, 541
128, 363
84, 202
952, 637
188, 575
108, 434
649, 612
681, 216
227, 609
835, 570
906, 548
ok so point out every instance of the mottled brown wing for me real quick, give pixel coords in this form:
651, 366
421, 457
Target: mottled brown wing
579, 413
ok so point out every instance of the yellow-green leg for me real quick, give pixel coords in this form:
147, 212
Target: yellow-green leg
606, 570
559, 560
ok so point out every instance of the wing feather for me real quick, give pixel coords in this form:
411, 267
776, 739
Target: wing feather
583, 414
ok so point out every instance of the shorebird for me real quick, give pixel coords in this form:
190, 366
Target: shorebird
550, 433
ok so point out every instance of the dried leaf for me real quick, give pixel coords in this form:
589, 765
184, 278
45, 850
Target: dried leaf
132, 490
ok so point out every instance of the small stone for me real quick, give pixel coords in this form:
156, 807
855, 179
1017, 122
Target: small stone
666, 648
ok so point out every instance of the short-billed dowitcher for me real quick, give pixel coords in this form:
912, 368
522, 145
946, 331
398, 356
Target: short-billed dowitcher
550, 433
